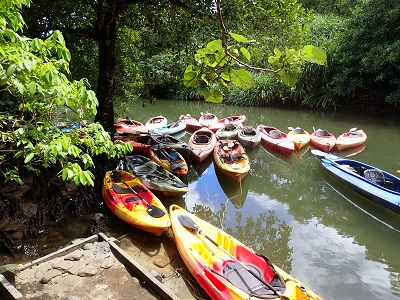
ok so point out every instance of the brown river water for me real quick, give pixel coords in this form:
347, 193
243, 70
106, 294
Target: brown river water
341, 245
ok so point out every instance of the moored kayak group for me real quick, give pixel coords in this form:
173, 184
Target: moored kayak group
222, 265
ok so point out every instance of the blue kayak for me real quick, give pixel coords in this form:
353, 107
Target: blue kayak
376, 185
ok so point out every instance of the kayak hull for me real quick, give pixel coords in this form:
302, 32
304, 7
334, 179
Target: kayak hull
202, 143
231, 159
299, 139
351, 139
323, 142
154, 177
353, 174
129, 207
275, 139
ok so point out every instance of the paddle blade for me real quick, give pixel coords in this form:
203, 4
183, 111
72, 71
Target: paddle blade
155, 211
187, 222
318, 153
353, 129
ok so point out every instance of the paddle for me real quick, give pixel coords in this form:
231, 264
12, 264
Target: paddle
153, 211
353, 129
187, 222
321, 154
174, 165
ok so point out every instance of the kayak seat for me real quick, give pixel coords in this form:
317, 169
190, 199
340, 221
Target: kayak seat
298, 131
201, 139
360, 169
322, 132
248, 130
132, 199
124, 190
375, 176
244, 280
275, 133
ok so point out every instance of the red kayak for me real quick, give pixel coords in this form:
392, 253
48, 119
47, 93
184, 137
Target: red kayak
191, 123
130, 126
323, 140
208, 119
202, 143
275, 139
236, 120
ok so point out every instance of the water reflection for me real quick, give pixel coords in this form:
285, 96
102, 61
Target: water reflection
236, 192
288, 159
299, 153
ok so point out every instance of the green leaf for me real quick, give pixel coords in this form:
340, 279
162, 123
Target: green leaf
245, 53
242, 79
32, 88
317, 55
213, 95
289, 77
240, 38
190, 78
29, 157
11, 70
277, 52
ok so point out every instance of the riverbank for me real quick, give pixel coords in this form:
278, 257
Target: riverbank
100, 268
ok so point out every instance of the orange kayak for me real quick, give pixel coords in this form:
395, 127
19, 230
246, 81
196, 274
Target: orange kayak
350, 139
323, 140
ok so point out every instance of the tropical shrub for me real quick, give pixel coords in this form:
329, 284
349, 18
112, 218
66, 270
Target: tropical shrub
35, 88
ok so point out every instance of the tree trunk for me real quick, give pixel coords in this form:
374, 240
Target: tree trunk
107, 38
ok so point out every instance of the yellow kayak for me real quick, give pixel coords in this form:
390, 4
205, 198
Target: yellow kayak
226, 268
231, 159
299, 136
133, 203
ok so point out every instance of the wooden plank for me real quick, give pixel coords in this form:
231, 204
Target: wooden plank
150, 281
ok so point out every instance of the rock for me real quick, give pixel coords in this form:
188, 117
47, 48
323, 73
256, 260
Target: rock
88, 246
101, 287
88, 271
101, 249
136, 281
76, 255
107, 263
42, 270
162, 261
62, 265
124, 279
50, 275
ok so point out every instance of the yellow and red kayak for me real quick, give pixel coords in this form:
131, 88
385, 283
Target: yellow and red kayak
231, 159
134, 203
224, 266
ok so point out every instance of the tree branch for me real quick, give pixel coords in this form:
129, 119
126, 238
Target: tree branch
225, 44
